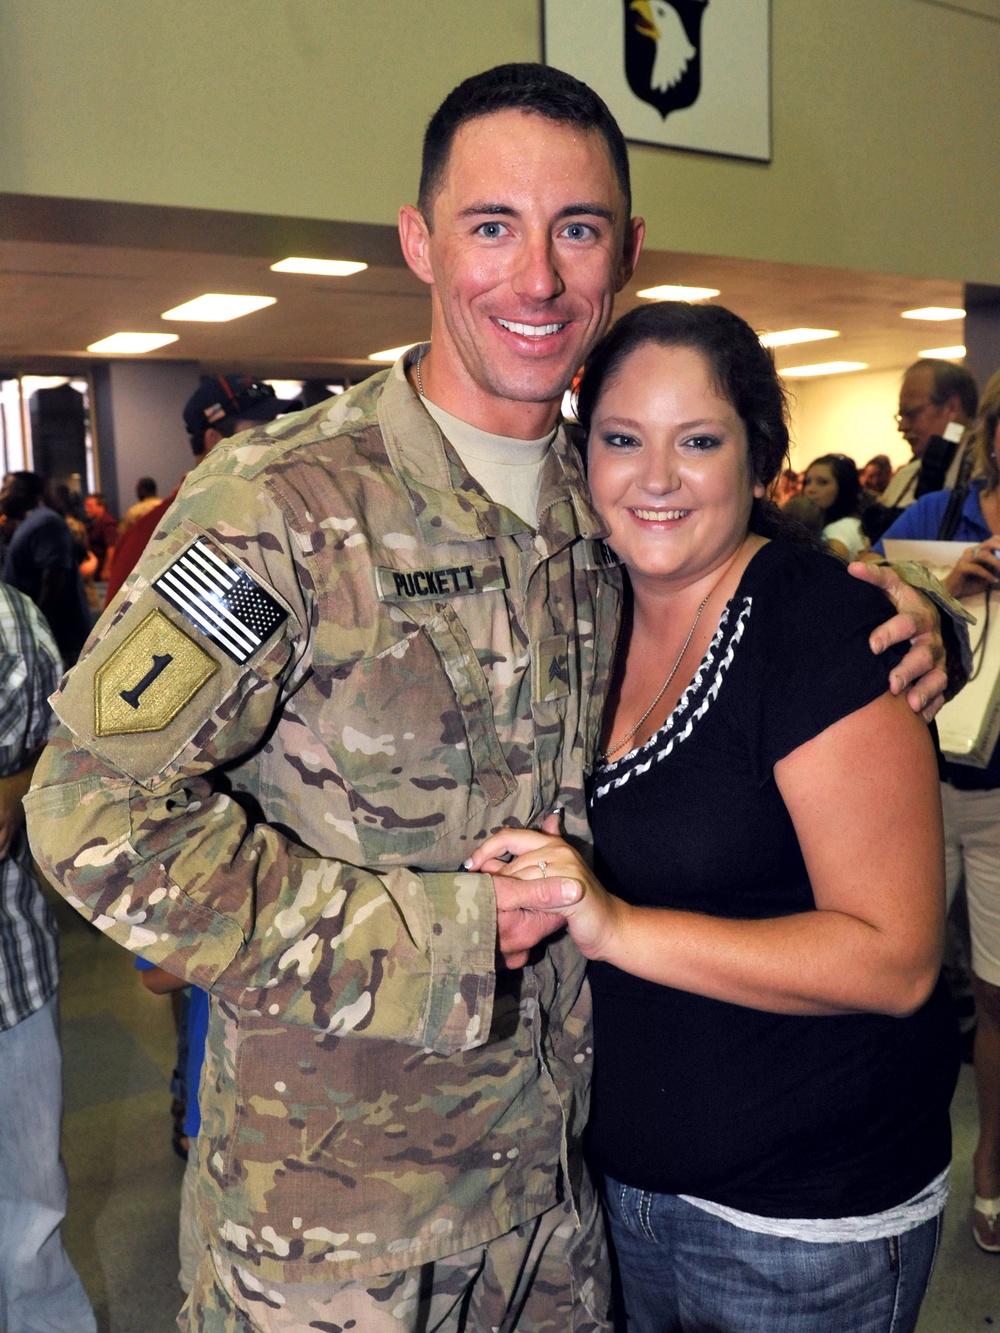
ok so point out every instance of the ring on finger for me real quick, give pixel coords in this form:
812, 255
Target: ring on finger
543, 867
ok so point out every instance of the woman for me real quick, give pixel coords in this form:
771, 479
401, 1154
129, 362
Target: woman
833, 482
971, 801
765, 914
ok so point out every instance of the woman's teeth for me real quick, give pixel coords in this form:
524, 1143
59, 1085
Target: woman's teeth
659, 515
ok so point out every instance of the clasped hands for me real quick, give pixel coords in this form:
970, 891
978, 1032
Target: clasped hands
544, 887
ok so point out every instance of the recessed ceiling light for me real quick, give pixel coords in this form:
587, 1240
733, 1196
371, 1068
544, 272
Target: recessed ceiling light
935, 312
825, 368
668, 293
132, 342
217, 307
786, 337
945, 353
390, 353
327, 268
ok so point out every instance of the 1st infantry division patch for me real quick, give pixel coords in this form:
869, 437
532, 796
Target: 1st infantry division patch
149, 678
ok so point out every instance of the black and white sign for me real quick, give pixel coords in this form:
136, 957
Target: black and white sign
682, 73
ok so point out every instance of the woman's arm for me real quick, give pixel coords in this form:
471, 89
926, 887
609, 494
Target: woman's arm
863, 796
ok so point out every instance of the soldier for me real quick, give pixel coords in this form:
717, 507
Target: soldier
377, 631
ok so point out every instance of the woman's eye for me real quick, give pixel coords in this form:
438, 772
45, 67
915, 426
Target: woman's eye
703, 442
616, 441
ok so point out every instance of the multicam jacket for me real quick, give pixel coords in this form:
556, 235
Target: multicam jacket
338, 667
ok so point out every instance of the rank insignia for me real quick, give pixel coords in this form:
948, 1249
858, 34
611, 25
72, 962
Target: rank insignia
221, 600
149, 678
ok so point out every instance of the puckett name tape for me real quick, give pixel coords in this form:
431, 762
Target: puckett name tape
220, 599
458, 580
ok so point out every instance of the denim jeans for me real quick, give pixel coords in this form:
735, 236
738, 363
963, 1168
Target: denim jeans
40, 1291
683, 1270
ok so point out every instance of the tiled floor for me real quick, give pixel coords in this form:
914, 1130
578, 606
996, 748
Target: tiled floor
124, 1179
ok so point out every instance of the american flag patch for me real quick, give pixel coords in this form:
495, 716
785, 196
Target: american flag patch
220, 598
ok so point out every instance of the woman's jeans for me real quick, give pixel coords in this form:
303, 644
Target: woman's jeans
683, 1270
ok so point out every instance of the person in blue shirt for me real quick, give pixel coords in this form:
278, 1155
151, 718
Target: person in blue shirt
971, 801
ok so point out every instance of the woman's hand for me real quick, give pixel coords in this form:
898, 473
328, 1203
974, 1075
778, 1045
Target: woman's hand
977, 570
554, 879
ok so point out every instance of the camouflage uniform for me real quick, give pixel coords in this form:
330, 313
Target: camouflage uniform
274, 800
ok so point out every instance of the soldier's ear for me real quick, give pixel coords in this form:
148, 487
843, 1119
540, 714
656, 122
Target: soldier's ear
635, 230
414, 239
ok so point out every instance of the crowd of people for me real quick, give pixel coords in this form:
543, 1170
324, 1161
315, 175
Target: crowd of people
550, 817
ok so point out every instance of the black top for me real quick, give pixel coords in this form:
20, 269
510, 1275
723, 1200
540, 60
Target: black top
779, 1115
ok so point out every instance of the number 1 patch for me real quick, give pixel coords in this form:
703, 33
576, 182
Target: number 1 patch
149, 678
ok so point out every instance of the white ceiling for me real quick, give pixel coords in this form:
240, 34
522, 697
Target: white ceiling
73, 272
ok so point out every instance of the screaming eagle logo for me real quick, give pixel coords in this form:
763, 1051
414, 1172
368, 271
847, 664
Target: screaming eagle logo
663, 51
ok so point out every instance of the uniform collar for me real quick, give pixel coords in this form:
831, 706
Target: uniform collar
448, 504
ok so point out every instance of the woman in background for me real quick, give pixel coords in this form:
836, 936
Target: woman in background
773, 1058
833, 482
971, 801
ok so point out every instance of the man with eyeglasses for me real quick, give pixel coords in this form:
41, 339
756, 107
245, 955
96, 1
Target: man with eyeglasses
934, 394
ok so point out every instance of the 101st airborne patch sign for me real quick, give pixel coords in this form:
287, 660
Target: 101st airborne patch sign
689, 74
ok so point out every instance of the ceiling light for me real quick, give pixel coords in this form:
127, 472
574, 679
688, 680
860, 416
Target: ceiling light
935, 312
786, 337
390, 353
217, 307
825, 368
326, 268
944, 353
668, 293
132, 342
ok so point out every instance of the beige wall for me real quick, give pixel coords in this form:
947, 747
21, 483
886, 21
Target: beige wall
847, 414
885, 118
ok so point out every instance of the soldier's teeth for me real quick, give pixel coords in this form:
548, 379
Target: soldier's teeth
529, 330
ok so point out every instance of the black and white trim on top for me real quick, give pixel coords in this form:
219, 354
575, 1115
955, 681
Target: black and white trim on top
693, 704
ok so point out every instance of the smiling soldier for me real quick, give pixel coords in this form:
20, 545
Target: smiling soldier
378, 631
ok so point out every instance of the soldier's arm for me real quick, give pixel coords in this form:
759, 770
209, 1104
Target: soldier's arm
137, 829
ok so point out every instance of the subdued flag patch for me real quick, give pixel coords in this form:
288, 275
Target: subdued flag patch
220, 599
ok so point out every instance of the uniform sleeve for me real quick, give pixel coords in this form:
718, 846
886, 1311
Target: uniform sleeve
132, 817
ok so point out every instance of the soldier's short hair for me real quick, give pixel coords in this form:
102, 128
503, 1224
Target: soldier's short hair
518, 87
949, 380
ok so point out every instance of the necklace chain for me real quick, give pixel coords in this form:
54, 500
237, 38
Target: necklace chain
603, 758
420, 383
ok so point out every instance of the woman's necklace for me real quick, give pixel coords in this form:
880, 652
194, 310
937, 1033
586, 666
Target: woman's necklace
416, 367
603, 758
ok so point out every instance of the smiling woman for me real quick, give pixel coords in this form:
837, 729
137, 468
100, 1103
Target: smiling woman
757, 779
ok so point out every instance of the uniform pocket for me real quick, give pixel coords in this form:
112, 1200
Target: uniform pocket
412, 737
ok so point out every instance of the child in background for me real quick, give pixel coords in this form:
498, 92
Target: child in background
191, 1242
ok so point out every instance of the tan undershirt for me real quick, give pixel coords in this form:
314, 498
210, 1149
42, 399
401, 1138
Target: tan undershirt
509, 470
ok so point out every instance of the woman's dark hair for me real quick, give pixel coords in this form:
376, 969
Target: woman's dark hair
742, 368
845, 474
